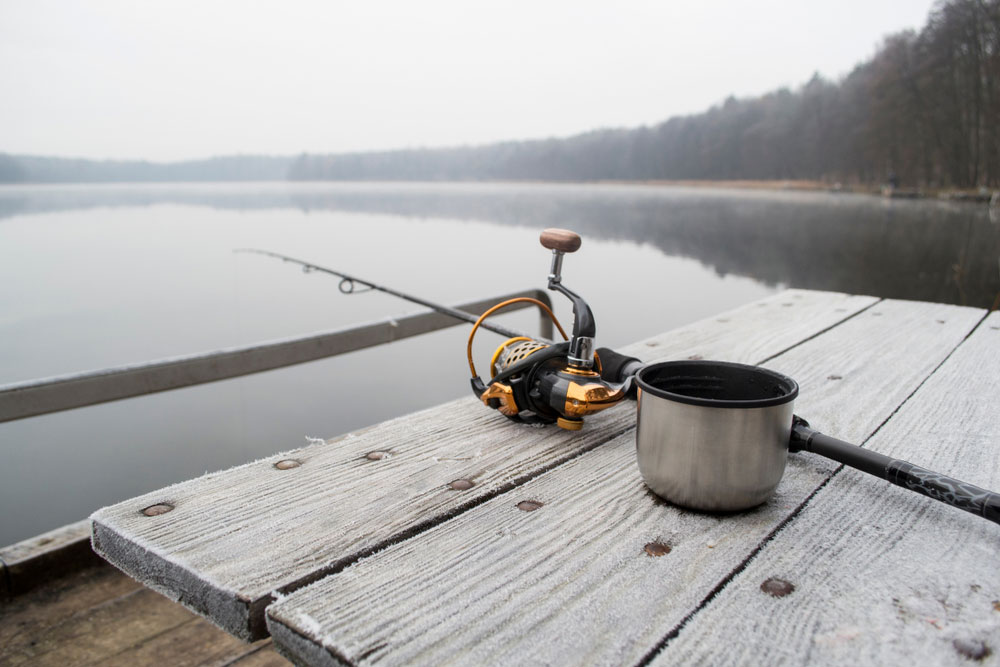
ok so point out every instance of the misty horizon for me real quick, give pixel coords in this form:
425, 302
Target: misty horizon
115, 81
408, 148
913, 113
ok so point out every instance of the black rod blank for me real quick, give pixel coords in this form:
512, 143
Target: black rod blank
948, 490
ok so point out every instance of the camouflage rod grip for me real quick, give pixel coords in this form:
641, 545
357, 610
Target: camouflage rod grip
948, 490
932, 484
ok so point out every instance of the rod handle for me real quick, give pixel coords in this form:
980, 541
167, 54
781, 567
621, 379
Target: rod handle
562, 240
947, 490
616, 367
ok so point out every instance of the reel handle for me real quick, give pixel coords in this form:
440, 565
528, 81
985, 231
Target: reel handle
581, 348
560, 240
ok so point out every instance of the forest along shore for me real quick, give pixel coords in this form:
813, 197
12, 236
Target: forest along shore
955, 194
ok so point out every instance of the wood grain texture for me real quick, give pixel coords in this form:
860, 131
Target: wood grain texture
757, 331
30, 563
568, 583
895, 343
266, 656
28, 619
573, 581
95, 617
101, 631
263, 655
44, 543
191, 644
237, 536
881, 575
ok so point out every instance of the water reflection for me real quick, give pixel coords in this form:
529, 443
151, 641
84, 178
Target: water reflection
140, 272
926, 250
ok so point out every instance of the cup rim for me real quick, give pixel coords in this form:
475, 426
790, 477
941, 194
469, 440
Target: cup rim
646, 376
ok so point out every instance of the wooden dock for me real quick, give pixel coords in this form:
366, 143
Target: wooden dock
455, 536
99, 616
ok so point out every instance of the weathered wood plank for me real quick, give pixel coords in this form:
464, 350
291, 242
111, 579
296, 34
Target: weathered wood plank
31, 617
194, 643
101, 631
262, 657
881, 575
235, 537
572, 582
831, 370
749, 330
51, 624
30, 563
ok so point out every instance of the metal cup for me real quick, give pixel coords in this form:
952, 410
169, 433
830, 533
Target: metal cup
713, 435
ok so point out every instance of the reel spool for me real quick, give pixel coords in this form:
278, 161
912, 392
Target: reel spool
512, 351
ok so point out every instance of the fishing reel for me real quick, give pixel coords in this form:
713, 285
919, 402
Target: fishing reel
539, 382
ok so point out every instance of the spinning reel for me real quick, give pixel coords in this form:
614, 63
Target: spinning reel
537, 382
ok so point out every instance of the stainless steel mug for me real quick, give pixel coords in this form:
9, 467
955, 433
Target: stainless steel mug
713, 435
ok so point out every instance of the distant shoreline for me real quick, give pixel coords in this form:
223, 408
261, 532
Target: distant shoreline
748, 184
981, 195
956, 194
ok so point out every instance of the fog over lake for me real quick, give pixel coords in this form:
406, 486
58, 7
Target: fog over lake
103, 275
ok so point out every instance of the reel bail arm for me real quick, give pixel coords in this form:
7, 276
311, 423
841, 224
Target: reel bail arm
581, 347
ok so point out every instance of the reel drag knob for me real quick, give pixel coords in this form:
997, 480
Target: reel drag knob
560, 240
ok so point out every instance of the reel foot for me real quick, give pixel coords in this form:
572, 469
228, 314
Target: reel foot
569, 424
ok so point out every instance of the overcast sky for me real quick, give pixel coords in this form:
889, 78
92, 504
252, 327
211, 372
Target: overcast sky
193, 78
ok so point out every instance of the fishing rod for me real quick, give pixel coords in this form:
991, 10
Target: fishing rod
348, 285
710, 435
532, 380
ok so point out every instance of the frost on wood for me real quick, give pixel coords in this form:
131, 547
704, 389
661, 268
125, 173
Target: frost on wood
235, 537
575, 582
882, 575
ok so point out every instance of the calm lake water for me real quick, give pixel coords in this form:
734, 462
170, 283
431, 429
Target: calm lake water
97, 276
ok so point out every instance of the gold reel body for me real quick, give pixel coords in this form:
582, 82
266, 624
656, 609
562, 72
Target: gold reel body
549, 390
580, 392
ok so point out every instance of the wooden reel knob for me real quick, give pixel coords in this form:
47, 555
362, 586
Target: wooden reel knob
562, 240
